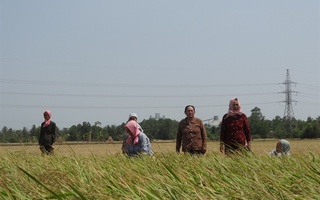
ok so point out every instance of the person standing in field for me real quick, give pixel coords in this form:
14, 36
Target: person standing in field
282, 148
47, 134
137, 143
134, 117
191, 134
235, 131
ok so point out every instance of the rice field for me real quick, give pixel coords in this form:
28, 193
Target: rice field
100, 171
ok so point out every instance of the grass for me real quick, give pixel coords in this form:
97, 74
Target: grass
90, 174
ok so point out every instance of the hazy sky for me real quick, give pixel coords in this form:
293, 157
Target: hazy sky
90, 61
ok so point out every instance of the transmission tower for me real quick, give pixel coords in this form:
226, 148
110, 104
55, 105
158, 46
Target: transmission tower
288, 110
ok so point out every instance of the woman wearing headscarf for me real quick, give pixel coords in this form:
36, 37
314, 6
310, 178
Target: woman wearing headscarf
134, 117
137, 142
282, 148
235, 131
47, 133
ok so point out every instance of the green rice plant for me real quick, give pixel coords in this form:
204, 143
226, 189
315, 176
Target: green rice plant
166, 175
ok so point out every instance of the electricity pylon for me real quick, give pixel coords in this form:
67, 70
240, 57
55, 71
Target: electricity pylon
288, 110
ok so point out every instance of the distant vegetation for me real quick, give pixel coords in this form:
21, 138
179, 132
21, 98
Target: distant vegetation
165, 129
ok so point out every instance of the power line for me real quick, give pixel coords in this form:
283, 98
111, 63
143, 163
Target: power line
119, 107
128, 96
309, 86
79, 84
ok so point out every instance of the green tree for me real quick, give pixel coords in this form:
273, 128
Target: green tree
160, 129
277, 130
25, 135
85, 131
96, 132
3, 134
215, 132
312, 129
34, 133
73, 133
165, 129
259, 127
12, 136
115, 132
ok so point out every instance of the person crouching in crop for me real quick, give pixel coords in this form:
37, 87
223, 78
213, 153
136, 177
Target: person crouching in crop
138, 143
282, 148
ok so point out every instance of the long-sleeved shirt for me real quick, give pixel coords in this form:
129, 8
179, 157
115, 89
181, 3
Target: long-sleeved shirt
192, 134
47, 134
235, 130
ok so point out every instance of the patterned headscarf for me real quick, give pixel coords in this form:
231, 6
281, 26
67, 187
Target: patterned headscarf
133, 128
47, 122
231, 111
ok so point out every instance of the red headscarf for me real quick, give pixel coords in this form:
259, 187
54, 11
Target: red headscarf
133, 127
231, 111
47, 122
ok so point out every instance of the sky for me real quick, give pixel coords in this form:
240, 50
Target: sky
97, 61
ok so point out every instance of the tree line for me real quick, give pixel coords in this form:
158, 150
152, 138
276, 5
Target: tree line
165, 129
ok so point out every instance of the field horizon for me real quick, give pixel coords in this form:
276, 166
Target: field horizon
259, 147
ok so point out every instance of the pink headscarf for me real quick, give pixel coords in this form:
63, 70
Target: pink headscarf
47, 122
133, 127
231, 111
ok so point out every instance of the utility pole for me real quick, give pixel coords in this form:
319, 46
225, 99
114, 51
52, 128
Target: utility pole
288, 110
